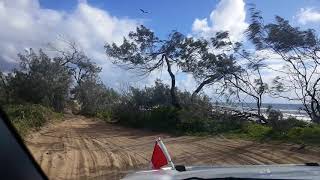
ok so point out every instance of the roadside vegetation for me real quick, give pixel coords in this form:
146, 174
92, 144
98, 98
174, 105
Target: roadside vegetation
30, 117
43, 87
141, 108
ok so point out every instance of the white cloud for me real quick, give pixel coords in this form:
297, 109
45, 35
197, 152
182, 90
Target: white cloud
186, 82
308, 15
25, 24
229, 15
201, 25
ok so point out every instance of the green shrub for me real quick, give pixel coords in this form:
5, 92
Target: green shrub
29, 116
105, 116
194, 125
193, 120
257, 131
226, 122
168, 118
127, 116
285, 125
309, 134
295, 133
199, 121
274, 117
162, 118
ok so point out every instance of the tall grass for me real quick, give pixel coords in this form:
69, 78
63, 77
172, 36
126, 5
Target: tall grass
29, 117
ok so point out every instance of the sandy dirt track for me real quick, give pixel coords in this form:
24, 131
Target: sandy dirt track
81, 148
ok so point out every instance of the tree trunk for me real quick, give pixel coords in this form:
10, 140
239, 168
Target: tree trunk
314, 112
6, 90
174, 99
316, 119
201, 85
259, 107
259, 110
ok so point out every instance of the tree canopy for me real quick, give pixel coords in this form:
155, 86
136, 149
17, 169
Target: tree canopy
207, 61
299, 52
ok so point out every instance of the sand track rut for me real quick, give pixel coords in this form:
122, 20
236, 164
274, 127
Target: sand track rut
81, 148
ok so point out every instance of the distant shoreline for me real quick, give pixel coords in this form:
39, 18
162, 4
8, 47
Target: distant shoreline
288, 110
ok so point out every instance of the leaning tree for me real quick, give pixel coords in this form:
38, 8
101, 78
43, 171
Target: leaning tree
248, 81
209, 60
225, 64
143, 52
299, 51
70, 55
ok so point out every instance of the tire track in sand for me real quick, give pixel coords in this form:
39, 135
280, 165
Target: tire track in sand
82, 148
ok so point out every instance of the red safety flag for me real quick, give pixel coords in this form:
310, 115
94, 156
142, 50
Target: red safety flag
158, 157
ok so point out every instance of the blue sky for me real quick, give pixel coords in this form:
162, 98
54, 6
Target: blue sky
92, 23
167, 15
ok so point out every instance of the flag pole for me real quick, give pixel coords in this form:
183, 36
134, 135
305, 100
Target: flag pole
166, 153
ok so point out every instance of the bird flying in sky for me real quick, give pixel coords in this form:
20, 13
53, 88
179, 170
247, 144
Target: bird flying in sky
143, 11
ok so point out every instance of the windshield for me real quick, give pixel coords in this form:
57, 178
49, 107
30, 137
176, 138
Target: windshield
104, 89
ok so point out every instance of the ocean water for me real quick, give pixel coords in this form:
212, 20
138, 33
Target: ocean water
293, 110
290, 107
